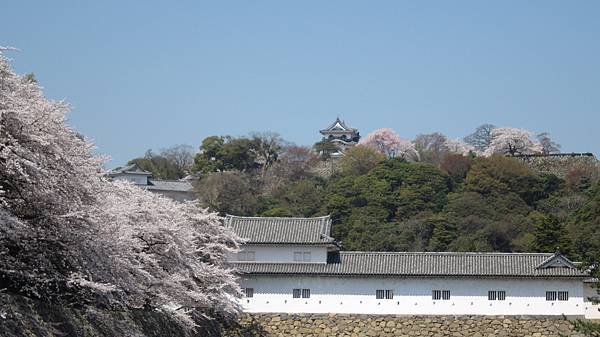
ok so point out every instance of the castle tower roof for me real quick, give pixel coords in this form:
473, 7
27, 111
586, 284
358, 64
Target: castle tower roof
339, 126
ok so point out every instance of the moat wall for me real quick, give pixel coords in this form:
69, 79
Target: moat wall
323, 325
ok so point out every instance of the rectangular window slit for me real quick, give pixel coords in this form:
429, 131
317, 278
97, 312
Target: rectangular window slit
248, 292
551, 296
563, 295
445, 294
501, 295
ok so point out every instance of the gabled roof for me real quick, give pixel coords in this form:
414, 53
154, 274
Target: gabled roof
410, 264
272, 230
556, 260
337, 126
129, 169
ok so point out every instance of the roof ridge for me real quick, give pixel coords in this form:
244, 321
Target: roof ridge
277, 217
444, 253
169, 180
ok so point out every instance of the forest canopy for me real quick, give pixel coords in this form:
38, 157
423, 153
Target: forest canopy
430, 194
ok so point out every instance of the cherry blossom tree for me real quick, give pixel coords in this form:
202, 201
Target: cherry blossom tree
512, 141
458, 146
68, 234
171, 255
389, 143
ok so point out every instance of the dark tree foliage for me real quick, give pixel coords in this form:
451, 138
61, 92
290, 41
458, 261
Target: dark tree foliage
299, 198
359, 160
219, 154
228, 193
393, 191
160, 166
325, 148
456, 166
584, 228
499, 175
171, 163
466, 204
549, 234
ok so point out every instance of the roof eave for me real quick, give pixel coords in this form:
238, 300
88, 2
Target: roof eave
420, 275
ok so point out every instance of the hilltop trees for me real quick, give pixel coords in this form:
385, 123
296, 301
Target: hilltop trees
489, 139
393, 191
431, 147
434, 147
434, 194
481, 138
182, 158
222, 153
457, 146
389, 143
456, 166
172, 163
68, 235
229, 192
547, 144
219, 153
512, 141
267, 146
360, 160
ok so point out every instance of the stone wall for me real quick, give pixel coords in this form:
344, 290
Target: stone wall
323, 325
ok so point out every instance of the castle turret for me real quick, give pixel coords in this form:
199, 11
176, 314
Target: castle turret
341, 135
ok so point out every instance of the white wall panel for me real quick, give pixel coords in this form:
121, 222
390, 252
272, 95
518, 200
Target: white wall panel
411, 296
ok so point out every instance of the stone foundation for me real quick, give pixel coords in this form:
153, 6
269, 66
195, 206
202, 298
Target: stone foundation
323, 325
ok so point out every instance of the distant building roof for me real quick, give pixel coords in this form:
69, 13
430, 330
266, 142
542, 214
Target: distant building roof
338, 126
169, 185
431, 264
271, 230
129, 169
151, 184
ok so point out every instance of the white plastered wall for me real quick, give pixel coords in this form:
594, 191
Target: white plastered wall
284, 253
137, 179
592, 310
412, 296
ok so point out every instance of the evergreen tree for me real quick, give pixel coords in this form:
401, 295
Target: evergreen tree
549, 234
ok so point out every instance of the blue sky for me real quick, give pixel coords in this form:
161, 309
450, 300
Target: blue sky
147, 75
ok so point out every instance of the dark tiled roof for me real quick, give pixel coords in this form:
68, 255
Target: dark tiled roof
332, 127
170, 185
129, 169
273, 230
420, 264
